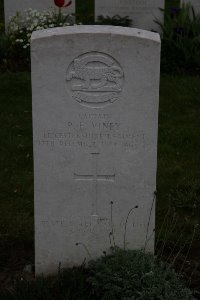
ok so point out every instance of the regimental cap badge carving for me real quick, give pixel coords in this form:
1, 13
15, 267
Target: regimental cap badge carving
95, 79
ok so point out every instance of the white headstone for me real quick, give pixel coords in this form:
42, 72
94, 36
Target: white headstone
95, 118
11, 7
194, 3
141, 12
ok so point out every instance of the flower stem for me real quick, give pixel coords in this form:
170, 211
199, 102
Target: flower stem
59, 15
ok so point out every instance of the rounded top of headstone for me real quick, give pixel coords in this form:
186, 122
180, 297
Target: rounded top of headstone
96, 29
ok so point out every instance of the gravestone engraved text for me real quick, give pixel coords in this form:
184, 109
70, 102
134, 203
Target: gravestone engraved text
95, 92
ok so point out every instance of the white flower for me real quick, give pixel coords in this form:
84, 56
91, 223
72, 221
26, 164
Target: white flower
38, 28
19, 40
33, 20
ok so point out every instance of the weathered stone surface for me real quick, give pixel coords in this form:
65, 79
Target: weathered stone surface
143, 13
12, 6
194, 3
95, 118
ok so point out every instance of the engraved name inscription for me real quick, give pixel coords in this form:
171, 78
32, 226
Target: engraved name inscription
93, 131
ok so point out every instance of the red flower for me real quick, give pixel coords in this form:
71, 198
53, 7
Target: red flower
61, 3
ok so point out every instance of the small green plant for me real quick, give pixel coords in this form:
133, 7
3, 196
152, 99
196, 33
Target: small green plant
180, 40
115, 21
120, 275
135, 275
21, 27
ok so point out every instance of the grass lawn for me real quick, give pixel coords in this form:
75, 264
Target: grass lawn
178, 173
16, 206
16, 174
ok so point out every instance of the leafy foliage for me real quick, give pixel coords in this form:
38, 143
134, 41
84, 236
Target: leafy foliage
181, 40
115, 21
135, 275
16, 54
121, 275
